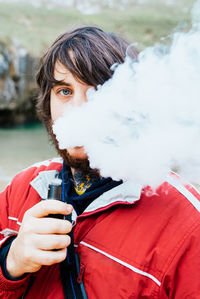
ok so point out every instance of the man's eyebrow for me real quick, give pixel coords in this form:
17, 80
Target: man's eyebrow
61, 83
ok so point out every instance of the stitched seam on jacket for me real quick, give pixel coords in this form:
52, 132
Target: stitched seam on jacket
123, 257
123, 263
178, 247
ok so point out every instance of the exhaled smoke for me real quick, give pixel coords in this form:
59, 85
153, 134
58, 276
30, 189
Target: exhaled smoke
145, 120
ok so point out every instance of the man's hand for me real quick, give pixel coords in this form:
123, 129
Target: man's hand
38, 236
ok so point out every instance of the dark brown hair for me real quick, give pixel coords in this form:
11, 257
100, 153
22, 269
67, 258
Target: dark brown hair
94, 52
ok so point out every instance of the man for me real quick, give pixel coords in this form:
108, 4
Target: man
125, 242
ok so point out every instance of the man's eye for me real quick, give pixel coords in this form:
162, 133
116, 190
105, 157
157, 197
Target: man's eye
65, 92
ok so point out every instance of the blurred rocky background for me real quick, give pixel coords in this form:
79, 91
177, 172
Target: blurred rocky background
17, 84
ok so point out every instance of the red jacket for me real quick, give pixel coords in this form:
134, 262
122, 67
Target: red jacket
132, 243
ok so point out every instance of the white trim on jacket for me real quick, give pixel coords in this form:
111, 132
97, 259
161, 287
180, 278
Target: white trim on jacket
136, 270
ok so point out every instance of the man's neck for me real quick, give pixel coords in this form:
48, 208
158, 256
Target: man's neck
84, 179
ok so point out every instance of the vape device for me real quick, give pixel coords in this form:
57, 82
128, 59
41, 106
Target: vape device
55, 192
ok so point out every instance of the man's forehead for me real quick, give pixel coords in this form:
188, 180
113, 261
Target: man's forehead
60, 71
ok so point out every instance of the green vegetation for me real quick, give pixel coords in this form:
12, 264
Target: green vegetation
35, 28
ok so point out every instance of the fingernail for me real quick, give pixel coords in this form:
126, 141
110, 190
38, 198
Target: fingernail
69, 208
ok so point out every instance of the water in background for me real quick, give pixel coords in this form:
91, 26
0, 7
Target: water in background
20, 147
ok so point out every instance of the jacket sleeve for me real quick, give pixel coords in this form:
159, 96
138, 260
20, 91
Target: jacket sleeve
182, 280
8, 288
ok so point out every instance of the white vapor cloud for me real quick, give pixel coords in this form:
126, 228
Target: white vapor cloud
145, 120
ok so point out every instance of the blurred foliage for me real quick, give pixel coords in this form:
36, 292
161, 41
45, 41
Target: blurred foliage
37, 27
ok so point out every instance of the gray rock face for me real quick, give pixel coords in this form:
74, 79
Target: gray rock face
17, 84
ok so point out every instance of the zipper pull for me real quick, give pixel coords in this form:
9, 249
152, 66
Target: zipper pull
80, 276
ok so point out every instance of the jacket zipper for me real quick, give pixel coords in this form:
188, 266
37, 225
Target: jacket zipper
80, 276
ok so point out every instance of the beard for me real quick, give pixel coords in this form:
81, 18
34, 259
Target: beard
72, 162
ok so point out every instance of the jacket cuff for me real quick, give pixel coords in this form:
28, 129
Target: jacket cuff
3, 256
11, 285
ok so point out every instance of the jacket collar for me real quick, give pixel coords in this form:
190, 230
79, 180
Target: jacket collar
127, 193
42, 181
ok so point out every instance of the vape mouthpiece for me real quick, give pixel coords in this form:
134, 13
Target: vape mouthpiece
55, 192
55, 189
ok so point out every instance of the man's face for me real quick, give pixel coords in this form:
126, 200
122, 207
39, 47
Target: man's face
69, 92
